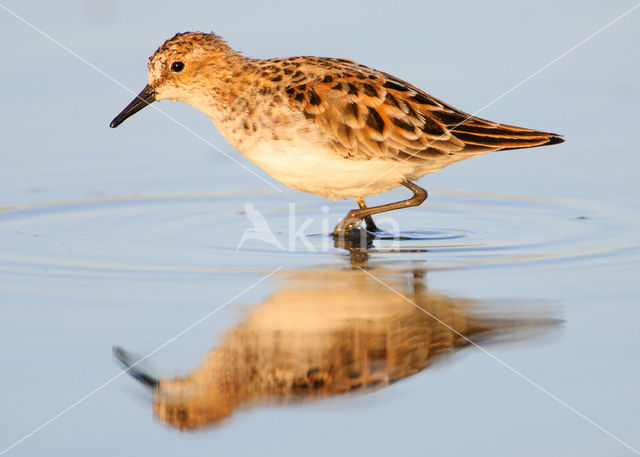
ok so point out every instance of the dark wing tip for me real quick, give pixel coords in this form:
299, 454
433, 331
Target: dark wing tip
555, 139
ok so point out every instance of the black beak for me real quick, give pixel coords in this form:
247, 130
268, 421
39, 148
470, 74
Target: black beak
126, 360
144, 98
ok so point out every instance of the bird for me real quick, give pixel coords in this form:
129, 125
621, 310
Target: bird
327, 126
327, 333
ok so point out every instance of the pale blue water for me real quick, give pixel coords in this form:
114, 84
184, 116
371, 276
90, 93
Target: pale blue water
128, 236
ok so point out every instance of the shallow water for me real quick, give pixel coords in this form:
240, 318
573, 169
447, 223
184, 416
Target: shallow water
175, 234
499, 318
384, 334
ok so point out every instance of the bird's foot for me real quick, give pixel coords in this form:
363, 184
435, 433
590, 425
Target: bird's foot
346, 225
355, 239
350, 234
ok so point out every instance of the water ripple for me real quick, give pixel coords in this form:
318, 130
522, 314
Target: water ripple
201, 234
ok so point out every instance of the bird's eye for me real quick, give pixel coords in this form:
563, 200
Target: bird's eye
177, 66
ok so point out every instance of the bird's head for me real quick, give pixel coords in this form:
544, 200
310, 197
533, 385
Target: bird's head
182, 69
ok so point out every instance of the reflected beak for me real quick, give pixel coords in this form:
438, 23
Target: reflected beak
144, 98
127, 361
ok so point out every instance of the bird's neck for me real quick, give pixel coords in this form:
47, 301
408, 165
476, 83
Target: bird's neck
226, 79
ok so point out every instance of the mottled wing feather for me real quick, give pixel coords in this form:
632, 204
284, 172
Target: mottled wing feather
370, 114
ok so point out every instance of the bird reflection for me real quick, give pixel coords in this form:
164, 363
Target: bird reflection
322, 334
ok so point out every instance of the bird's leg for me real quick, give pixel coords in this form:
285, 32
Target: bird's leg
354, 216
371, 226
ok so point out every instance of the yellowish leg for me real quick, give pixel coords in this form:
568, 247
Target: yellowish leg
354, 216
371, 226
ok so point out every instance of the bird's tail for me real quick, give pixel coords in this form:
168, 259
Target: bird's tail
479, 133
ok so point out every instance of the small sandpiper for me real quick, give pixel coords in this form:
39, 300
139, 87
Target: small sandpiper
330, 127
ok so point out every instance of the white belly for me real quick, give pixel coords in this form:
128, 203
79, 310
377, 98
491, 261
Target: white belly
322, 172
300, 158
